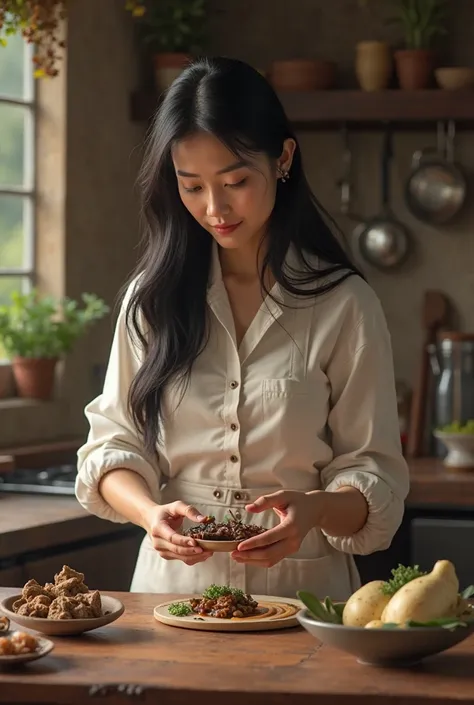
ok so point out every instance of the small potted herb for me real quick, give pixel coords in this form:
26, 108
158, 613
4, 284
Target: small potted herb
172, 31
36, 332
421, 22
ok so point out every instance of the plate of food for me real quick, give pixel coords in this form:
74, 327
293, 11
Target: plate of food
397, 622
222, 537
20, 647
222, 608
64, 607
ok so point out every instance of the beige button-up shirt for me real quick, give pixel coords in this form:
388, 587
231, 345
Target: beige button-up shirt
307, 401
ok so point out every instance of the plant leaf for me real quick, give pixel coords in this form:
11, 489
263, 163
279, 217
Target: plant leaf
317, 608
468, 592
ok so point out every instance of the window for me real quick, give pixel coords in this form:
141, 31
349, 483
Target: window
17, 171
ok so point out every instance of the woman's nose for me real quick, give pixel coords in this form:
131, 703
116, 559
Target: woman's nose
217, 205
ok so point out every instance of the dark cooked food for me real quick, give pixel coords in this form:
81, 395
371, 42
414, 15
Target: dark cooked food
4, 624
67, 598
230, 530
224, 603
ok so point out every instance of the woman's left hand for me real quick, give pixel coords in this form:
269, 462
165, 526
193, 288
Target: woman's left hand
298, 512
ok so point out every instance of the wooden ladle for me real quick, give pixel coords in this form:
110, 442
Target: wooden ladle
435, 315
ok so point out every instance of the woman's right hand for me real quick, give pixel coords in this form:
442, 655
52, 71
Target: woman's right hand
163, 524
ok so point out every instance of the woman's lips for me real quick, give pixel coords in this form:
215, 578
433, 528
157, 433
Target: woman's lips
226, 229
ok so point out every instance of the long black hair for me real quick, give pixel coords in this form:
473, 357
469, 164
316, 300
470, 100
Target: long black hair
232, 101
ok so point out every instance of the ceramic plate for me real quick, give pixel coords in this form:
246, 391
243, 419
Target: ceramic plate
45, 646
218, 546
111, 607
280, 620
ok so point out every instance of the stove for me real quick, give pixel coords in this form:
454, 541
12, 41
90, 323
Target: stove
58, 480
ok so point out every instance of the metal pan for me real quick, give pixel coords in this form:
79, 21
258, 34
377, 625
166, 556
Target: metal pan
384, 242
436, 189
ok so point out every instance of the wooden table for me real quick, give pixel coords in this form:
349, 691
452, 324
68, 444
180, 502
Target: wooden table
138, 659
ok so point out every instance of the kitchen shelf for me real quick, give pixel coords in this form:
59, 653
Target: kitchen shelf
318, 110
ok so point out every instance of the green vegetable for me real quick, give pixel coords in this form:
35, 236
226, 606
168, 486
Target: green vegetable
400, 577
213, 592
468, 592
325, 611
466, 429
180, 609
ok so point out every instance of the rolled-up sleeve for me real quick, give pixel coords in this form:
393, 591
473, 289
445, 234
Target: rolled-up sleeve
364, 428
113, 441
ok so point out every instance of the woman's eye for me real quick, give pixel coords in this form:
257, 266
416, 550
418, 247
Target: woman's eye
238, 184
192, 189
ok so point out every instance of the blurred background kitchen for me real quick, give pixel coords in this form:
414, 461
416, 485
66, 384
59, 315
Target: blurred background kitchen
381, 93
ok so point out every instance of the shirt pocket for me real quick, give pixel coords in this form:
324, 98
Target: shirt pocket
290, 413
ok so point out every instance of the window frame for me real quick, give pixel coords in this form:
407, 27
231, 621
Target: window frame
27, 272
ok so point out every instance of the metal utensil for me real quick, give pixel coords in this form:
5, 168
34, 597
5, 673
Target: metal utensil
384, 242
436, 188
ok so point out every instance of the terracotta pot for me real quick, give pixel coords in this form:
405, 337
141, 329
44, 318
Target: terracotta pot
168, 67
34, 377
373, 65
415, 68
303, 75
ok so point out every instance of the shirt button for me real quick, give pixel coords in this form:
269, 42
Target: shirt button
233, 426
216, 494
234, 459
237, 496
234, 384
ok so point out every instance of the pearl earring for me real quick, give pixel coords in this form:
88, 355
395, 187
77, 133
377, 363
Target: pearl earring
284, 174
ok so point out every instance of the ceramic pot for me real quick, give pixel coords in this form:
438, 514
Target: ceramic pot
415, 68
168, 67
373, 65
34, 377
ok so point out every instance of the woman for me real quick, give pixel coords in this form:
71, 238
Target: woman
251, 368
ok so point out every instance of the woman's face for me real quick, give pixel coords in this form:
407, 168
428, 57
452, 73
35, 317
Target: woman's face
231, 198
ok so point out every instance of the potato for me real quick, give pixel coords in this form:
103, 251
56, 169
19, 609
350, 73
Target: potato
365, 605
430, 597
374, 624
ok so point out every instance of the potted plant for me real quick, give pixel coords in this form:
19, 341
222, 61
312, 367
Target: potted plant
172, 31
38, 21
36, 332
421, 21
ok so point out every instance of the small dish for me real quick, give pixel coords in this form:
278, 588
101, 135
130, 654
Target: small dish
45, 646
111, 607
453, 78
218, 546
385, 647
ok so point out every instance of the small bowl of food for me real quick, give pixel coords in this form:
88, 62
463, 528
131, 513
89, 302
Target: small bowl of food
395, 623
459, 442
64, 607
19, 647
222, 537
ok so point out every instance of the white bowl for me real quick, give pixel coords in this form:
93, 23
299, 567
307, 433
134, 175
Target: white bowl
385, 647
460, 447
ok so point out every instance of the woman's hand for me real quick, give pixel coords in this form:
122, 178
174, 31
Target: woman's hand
163, 524
298, 512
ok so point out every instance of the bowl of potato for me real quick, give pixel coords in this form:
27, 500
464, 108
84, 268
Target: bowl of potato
397, 622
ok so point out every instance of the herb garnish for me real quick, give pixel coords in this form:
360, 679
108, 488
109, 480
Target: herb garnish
213, 592
179, 609
401, 576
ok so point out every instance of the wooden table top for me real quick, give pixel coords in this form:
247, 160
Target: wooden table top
138, 659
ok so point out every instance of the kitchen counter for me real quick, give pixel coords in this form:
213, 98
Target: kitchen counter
156, 663
30, 522
432, 484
